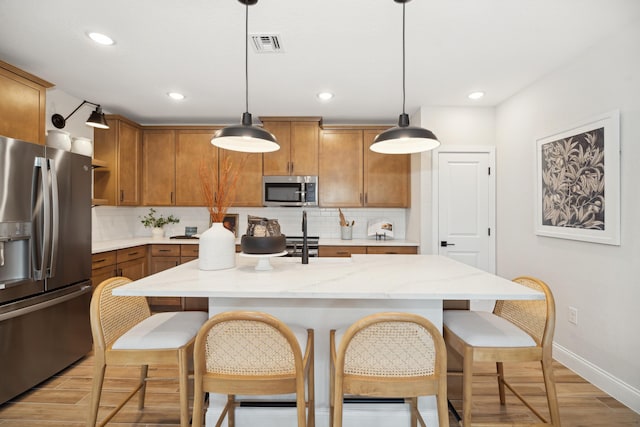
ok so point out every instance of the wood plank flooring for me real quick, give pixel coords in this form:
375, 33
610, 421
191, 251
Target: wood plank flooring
62, 400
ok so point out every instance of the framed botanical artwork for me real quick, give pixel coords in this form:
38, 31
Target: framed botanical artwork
578, 182
230, 222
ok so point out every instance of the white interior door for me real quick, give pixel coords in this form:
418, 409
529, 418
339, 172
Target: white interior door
466, 207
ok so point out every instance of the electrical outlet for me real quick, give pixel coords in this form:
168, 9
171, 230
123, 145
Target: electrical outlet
573, 315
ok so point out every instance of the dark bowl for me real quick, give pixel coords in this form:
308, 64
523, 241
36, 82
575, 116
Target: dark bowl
263, 245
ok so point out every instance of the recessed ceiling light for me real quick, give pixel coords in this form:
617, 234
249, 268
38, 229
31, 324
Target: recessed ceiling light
475, 95
325, 96
101, 39
175, 95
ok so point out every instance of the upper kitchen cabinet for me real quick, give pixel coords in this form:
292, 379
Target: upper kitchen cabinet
120, 147
22, 104
340, 168
351, 175
249, 183
386, 176
159, 167
193, 150
298, 138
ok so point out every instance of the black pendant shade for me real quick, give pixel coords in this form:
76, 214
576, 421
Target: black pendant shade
404, 139
245, 137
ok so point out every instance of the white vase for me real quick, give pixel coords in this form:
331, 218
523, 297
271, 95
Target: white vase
157, 233
217, 248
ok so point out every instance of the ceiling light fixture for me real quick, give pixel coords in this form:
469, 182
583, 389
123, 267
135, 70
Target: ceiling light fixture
404, 139
245, 137
176, 96
475, 95
96, 119
101, 39
325, 96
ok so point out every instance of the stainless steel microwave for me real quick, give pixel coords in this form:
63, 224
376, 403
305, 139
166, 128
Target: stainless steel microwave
290, 190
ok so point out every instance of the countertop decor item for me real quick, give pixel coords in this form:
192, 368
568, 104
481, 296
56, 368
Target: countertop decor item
263, 237
156, 223
404, 139
59, 139
246, 137
346, 227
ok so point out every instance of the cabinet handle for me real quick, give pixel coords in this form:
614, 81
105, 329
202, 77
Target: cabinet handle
119, 272
99, 260
342, 253
122, 195
366, 198
291, 171
171, 196
360, 197
164, 250
132, 253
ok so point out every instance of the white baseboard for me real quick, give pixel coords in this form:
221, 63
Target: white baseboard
618, 389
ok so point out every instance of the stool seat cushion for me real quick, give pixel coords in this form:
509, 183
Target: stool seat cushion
162, 330
483, 329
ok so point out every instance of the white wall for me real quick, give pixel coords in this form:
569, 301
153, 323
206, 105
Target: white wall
601, 281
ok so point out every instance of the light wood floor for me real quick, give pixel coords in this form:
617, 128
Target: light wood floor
62, 401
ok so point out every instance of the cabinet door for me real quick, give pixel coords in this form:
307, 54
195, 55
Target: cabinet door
161, 263
304, 148
156, 265
159, 167
98, 275
22, 107
340, 169
129, 164
386, 176
193, 149
278, 162
134, 269
249, 183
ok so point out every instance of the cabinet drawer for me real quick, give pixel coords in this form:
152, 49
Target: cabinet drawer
165, 250
131, 253
410, 250
189, 250
341, 251
103, 259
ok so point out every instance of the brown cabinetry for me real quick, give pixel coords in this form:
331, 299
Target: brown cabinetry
346, 251
249, 182
120, 147
298, 138
193, 148
158, 167
163, 257
129, 262
351, 175
22, 104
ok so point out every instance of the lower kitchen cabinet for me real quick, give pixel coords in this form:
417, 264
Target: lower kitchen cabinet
129, 262
347, 251
163, 257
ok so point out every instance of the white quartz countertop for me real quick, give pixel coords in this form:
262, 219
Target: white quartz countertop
359, 277
111, 245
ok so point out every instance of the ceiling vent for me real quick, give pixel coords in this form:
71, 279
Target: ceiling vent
266, 43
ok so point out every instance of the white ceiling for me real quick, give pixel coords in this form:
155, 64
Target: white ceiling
351, 48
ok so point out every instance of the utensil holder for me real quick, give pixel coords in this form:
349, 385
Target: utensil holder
346, 232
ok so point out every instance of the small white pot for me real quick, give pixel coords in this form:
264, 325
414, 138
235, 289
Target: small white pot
82, 146
157, 233
59, 139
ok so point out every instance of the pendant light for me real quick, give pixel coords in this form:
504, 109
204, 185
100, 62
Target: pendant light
244, 136
404, 139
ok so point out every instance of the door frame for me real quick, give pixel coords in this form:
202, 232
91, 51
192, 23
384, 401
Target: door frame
435, 164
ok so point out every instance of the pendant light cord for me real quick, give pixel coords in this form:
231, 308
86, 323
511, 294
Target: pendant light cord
246, 57
403, 61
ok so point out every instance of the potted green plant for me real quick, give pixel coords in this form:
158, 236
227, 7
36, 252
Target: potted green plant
156, 223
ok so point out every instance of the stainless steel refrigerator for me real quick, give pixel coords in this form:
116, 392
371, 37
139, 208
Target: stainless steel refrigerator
45, 263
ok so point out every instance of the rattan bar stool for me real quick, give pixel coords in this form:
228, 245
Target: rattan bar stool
125, 333
393, 355
253, 353
516, 331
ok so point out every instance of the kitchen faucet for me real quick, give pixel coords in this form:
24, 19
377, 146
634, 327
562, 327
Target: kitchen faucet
305, 244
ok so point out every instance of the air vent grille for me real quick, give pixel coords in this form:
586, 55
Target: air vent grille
266, 43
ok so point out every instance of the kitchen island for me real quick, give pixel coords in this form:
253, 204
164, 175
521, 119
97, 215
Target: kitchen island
330, 293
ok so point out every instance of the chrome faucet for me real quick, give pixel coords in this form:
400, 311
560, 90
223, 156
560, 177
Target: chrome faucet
305, 244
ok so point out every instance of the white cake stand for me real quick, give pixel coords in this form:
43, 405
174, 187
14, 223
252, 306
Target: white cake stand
263, 260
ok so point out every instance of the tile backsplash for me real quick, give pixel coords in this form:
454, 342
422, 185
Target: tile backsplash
109, 222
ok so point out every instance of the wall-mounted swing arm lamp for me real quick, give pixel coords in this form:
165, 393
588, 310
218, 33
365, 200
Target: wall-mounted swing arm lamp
244, 136
96, 119
404, 139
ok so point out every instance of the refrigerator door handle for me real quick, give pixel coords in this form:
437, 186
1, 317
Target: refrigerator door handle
55, 221
40, 211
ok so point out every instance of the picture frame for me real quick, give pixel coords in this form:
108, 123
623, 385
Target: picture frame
578, 182
230, 222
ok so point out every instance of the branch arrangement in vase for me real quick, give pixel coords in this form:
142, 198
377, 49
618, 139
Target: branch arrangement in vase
219, 189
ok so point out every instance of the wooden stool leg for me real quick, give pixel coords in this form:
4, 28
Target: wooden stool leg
99, 368
183, 380
550, 385
500, 370
467, 386
144, 370
311, 389
198, 402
